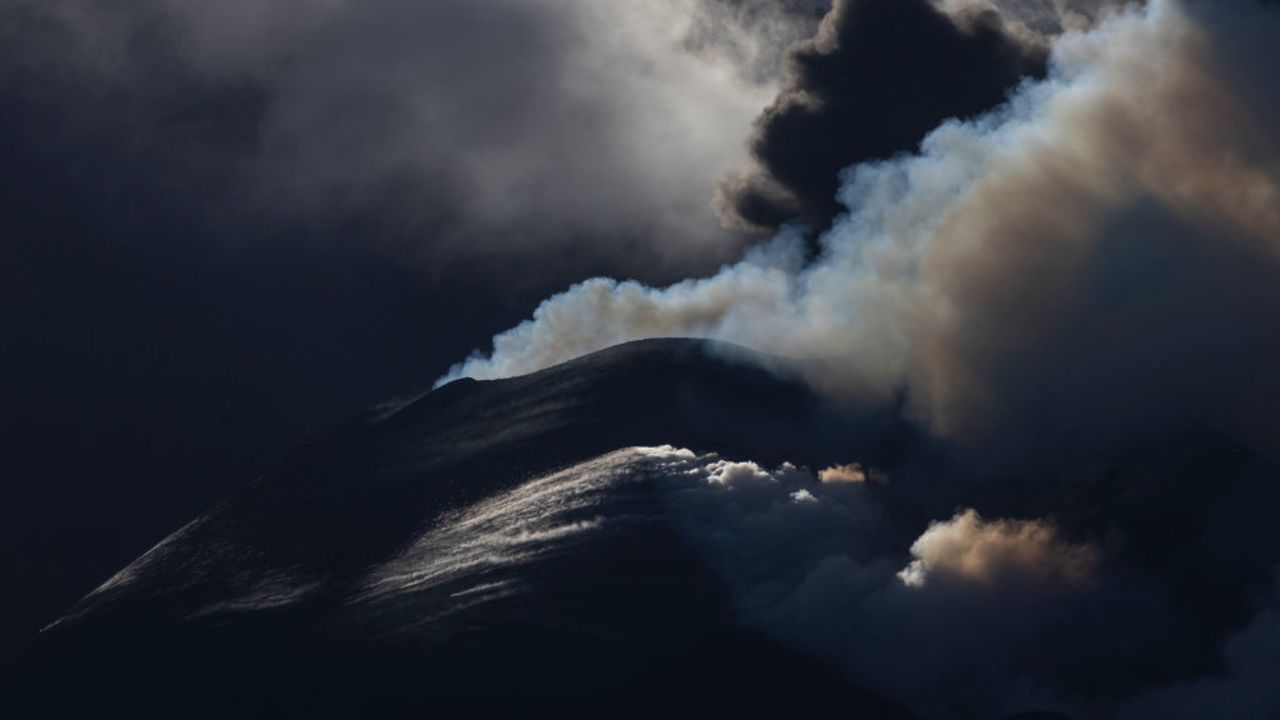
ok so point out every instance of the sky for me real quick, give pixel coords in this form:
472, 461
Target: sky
1050, 224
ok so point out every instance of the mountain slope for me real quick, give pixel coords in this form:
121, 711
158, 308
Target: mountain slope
488, 548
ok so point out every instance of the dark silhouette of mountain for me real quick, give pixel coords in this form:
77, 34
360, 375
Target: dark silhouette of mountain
265, 607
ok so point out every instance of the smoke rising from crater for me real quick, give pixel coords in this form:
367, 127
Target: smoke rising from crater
1097, 256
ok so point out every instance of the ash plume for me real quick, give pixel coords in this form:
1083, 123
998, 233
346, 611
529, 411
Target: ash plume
1094, 258
873, 81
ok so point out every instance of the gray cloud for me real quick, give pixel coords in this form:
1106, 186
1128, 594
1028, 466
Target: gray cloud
458, 129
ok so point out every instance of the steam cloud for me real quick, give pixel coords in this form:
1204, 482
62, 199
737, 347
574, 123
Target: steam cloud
1059, 268
970, 548
982, 617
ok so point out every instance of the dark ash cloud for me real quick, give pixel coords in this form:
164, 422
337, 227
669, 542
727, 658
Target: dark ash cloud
877, 77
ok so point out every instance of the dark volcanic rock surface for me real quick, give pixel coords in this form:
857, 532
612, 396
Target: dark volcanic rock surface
262, 607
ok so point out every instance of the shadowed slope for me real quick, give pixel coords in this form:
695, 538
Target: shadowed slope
268, 606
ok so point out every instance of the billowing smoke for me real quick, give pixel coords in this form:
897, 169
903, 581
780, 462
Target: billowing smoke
876, 78
980, 617
969, 548
851, 473
1095, 258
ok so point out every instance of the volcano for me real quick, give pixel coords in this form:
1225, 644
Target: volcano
489, 548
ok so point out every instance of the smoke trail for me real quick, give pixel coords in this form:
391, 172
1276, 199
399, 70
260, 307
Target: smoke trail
1100, 249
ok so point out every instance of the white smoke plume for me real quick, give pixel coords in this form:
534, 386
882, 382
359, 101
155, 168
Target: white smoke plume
1076, 249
